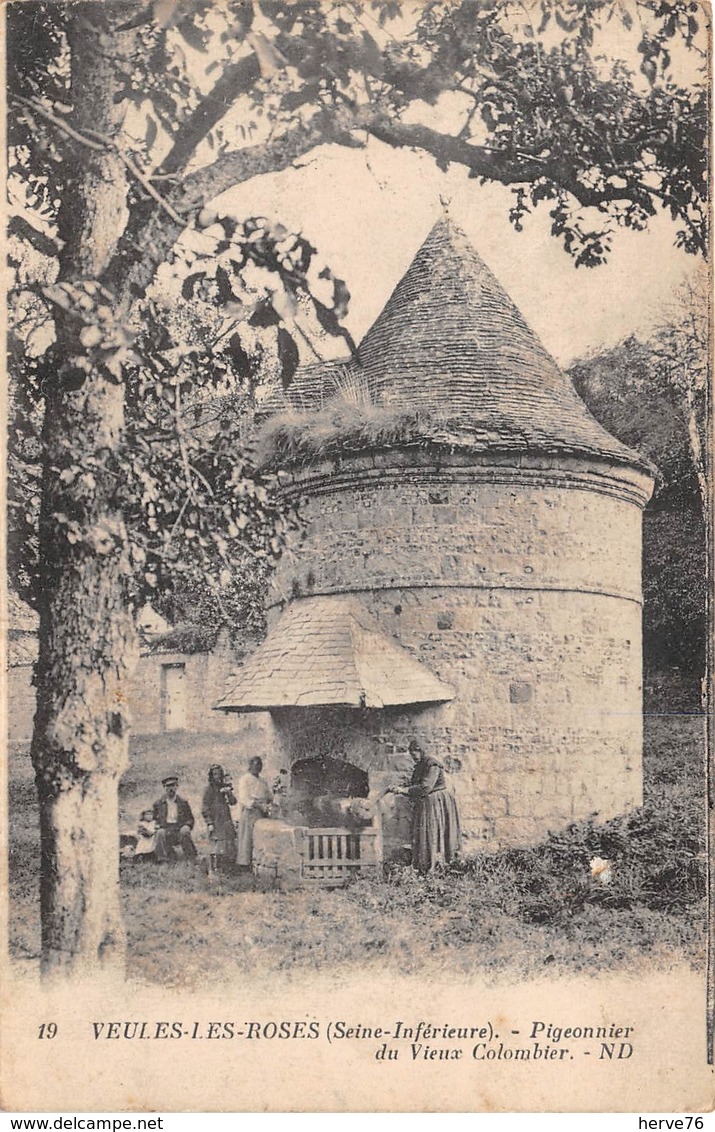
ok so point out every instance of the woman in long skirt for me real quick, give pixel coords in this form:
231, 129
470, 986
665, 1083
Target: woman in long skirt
436, 834
216, 809
254, 799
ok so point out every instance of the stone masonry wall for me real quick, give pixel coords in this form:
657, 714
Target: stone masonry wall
204, 683
519, 587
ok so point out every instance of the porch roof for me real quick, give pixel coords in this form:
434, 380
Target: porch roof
330, 651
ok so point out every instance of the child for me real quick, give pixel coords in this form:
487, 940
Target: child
146, 837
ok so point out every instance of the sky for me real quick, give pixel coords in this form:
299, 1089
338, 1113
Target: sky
368, 211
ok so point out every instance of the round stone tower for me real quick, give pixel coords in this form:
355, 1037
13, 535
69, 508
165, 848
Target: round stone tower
497, 543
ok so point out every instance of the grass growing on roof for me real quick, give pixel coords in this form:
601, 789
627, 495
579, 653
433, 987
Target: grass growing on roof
343, 425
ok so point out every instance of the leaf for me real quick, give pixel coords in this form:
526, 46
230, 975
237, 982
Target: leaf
90, 336
244, 364
285, 304
225, 290
193, 35
189, 285
565, 25
264, 315
57, 293
307, 252
151, 131
341, 298
650, 70
327, 318
229, 226
308, 92
288, 356
372, 55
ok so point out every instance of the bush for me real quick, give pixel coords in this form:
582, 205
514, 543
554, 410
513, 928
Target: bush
657, 856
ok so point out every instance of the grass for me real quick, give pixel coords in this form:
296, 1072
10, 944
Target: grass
345, 424
510, 914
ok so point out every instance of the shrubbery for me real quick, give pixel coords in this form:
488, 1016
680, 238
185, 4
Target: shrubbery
656, 854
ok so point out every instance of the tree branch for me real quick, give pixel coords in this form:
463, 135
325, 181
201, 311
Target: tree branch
149, 230
495, 164
237, 79
271, 156
61, 125
100, 143
20, 226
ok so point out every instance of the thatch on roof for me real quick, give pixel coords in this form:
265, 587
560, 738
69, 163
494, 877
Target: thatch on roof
330, 651
189, 637
450, 349
340, 427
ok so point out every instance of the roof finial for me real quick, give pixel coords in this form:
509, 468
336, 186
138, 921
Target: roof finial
445, 202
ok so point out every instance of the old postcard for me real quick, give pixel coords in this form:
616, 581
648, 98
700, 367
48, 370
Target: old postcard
359, 498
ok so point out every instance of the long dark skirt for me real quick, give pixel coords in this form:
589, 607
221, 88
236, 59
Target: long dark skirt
224, 843
436, 835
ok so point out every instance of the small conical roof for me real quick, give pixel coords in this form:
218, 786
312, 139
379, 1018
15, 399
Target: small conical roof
451, 341
330, 651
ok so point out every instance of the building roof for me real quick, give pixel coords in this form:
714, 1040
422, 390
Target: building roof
20, 615
451, 344
21, 632
329, 650
188, 637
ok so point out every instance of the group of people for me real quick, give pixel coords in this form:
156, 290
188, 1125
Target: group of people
436, 834
169, 825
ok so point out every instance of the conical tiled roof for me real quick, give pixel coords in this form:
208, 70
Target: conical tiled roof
450, 344
451, 340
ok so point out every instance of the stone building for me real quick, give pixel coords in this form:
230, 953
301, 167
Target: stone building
180, 672
470, 571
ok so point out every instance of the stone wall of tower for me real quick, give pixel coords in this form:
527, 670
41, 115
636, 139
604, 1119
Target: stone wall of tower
519, 585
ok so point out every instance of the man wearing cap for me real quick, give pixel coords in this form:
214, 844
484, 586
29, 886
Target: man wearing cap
174, 821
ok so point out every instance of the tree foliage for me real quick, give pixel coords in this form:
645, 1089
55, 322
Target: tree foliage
213, 95
653, 395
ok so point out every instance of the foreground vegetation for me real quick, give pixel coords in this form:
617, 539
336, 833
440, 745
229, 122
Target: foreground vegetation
509, 914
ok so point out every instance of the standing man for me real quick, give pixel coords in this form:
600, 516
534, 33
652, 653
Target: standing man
174, 821
254, 800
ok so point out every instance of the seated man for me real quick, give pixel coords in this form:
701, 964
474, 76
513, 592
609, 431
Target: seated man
174, 821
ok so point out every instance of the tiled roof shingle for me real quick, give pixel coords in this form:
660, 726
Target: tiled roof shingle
330, 650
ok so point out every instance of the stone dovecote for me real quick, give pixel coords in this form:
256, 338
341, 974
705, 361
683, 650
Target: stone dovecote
501, 552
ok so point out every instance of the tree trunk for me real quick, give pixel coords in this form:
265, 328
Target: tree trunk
86, 636
82, 926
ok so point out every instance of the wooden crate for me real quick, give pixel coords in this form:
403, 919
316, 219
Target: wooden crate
330, 857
